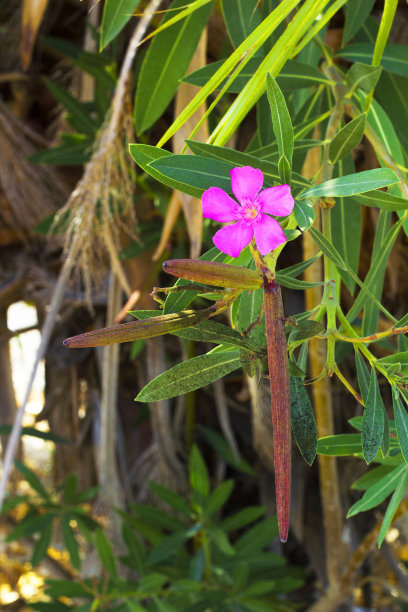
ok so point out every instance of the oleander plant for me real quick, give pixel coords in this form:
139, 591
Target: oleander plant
235, 439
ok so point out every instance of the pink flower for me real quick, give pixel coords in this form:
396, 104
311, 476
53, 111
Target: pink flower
249, 214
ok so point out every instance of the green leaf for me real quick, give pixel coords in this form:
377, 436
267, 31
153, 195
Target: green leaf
352, 184
382, 200
356, 15
136, 550
116, 14
401, 358
218, 497
370, 280
340, 445
166, 62
29, 525
294, 283
304, 214
237, 158
170, 498
70, 542
371, 311
157, 517
257, 537
241, 18
401, 423
379, 491
395, 501
327, 248
167, 547
242, 518
221, 446
210, 331
284, 169
394, 58
248, 312
42, 544
105, 553
190, 375
373, 420
300, 267
193, 174
363, 375
347, 138
97, 65
293, 76
347, 227
282, 124
362, 76
33, 480
67, 588
371, 477
199, 480
79, 117
304, 330
303, 420
205, 331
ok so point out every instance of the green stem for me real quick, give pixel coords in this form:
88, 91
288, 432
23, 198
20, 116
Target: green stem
390, 7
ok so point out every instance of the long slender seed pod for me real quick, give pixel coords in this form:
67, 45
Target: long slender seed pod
136, 330
280, 400
214, 273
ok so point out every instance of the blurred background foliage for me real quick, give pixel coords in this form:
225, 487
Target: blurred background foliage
168, 505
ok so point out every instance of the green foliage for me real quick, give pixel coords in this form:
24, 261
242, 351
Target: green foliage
116, 14
197, 554
166, 62
45, 509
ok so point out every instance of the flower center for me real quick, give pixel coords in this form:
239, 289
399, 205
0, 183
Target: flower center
250, 212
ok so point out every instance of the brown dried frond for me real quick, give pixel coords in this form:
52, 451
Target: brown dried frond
101, 204
32, 191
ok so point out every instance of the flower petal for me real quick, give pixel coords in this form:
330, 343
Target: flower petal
231, 239
268, 234
276, 201
218, 205
246, 183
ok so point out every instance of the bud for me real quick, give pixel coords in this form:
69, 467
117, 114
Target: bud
213, 273
135, 330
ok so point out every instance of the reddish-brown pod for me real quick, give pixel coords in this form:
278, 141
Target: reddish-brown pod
280, 400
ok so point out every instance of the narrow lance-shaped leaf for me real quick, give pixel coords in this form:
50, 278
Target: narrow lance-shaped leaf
241, 18
373, 420
303, 420
378, 491
116, 14
282, 124
401, 423
363, 375
190, 375
347, 138
352, 184
280, 401
166, 61
395, 501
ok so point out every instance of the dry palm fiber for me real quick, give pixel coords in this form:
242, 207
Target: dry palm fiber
32, 191
102, 203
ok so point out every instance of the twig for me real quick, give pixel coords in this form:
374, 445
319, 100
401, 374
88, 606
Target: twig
223, 417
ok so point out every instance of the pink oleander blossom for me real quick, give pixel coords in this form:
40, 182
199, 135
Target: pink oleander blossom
249, 215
